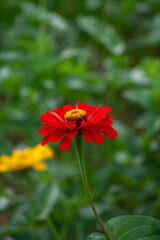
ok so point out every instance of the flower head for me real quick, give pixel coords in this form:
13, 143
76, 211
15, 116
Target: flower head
28, 158
69, 120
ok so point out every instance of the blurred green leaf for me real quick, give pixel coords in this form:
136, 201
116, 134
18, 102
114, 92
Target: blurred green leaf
96, 236
35, 12
46, 196
133, 96
102, 32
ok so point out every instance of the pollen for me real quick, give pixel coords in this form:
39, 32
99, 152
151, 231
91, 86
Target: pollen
75, 115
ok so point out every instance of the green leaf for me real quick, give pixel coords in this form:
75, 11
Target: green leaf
46, 196
103, 33
132, 96
96, 236
151, 238
132, 227
36, 12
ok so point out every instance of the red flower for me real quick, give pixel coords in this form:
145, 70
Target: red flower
69, 120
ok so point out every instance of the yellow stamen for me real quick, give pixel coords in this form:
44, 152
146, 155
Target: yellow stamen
75, 114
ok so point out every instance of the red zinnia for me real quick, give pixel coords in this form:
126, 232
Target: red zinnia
69, 120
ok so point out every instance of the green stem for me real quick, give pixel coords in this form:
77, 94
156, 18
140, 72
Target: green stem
85, 181
53, 228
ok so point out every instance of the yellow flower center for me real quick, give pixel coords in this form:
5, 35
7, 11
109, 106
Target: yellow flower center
75, 115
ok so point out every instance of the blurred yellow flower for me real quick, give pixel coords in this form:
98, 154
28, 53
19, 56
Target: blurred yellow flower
28, 158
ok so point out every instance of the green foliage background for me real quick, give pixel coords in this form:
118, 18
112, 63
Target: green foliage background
95, 51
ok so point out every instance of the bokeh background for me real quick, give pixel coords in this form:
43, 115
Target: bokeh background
95, 51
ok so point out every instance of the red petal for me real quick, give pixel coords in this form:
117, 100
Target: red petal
107, 122
58, 117
65, 143
44, 131
51, 118
67, 108
59, 112
101, 113
97, 137
101, 123
57, 135
110, 116
71, 134
87, 135
47, 117
108, 131
45, 140
91, 110
71, 124
81, 106
83, 123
